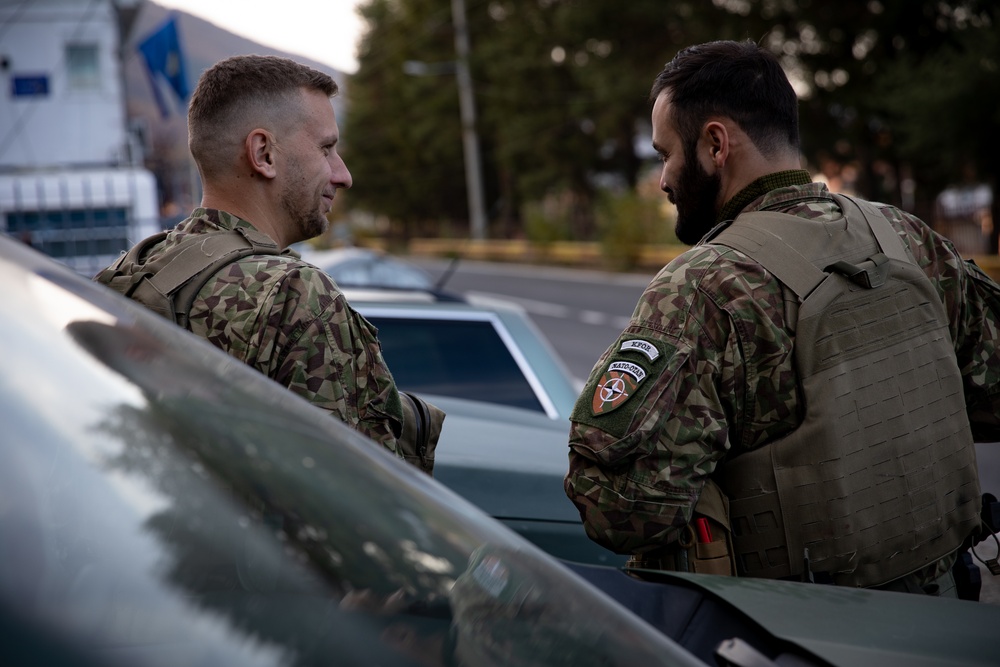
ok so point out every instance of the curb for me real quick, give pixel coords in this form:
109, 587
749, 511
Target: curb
580, 254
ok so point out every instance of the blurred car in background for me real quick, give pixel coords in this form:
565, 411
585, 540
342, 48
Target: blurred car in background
492, 353
445, 344
363, 267
164, 504
506, 394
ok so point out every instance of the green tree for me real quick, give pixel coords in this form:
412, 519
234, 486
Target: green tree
561, 91
945, 111
617, 49
861, 70
402, 135
568, 84
540, 143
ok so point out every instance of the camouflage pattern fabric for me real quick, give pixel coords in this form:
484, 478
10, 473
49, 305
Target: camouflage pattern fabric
289, 320
705, 371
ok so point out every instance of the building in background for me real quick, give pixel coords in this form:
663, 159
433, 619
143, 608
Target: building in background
72, 182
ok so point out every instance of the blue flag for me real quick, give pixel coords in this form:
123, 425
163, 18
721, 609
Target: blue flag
162, 52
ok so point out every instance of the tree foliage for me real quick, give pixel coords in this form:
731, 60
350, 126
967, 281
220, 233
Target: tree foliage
892, 92
868, 74
402, 134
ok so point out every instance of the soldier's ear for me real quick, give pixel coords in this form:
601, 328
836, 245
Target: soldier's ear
715, 138
260, 148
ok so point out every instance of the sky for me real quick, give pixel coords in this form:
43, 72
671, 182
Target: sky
325, 30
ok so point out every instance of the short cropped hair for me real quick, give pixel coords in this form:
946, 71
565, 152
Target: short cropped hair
240, 93
738, 80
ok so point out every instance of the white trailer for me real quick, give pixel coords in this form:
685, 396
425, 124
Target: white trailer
83, 217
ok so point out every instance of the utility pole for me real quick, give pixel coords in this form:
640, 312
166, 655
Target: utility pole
470, 139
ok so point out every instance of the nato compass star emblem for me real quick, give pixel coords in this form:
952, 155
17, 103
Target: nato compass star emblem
616, 386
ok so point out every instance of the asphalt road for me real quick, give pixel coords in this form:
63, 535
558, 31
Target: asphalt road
581, 312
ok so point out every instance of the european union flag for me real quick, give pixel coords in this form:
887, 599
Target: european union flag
162, 51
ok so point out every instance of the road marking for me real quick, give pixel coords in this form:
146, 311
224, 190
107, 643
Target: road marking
547, 309
594, 317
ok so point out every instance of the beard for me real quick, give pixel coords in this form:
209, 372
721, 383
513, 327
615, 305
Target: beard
312, 225
695, 198
302, 206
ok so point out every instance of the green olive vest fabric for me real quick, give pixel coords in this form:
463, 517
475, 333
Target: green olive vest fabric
169, 284
335, 363
880, 478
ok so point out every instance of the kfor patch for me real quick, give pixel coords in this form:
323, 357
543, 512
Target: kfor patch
641, 346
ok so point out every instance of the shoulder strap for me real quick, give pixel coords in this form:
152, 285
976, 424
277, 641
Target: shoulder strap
169, 284
767, 237
760, 236
200, 252
194, 264
888, 239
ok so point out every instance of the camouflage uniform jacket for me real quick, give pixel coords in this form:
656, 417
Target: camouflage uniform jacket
705, 371
291, 322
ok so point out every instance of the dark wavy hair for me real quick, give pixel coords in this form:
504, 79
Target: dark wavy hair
738, 80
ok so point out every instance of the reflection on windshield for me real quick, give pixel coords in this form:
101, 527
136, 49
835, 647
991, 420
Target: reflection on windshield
207, 527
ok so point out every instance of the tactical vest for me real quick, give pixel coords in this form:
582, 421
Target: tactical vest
169, 284
880, 478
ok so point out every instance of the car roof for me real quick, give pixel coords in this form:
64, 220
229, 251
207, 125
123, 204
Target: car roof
364, 267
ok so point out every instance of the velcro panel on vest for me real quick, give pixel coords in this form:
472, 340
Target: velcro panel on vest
880, 477
128, 276
202, 252
168, 284
168, 274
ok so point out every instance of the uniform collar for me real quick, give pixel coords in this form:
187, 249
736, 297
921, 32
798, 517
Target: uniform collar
205, 219
759, 188
762, 191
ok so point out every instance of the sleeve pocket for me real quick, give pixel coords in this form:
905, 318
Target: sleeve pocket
619, 413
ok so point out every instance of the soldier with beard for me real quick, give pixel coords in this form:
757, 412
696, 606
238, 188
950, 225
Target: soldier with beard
263, 133
701, 441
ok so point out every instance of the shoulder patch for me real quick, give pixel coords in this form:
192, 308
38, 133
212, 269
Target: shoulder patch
617, 385
632, 367
642, 346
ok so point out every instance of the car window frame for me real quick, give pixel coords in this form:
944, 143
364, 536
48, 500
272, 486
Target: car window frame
510, 343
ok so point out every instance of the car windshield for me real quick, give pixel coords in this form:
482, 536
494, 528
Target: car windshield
161, 503
453, 357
